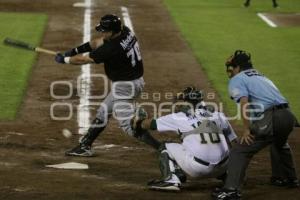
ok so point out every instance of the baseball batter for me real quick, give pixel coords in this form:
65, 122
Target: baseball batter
205, 148
119, 50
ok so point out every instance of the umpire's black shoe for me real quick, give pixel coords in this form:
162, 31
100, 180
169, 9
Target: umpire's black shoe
80, 150
277, 181
226, 194
292, 183
280, 182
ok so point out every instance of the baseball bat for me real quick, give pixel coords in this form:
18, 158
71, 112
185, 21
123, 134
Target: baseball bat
27, 46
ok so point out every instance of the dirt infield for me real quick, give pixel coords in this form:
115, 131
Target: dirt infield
120, 172
285, 19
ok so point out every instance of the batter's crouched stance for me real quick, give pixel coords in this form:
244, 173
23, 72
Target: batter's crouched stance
205, 142
119, 50
270, 123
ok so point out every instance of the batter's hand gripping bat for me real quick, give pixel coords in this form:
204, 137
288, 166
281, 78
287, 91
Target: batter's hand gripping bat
24, 45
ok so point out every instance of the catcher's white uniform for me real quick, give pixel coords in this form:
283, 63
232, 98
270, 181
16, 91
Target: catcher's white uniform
199, 155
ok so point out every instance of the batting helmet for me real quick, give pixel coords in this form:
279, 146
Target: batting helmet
240, 58
191, 95
109, 23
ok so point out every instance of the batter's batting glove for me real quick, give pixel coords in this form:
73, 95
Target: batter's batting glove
60, 58
70, 53
140, 115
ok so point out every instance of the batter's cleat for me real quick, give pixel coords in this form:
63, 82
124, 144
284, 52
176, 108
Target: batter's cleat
163, 185
226, 194
80, 150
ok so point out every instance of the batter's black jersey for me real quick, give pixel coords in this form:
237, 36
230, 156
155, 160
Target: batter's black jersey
121, 57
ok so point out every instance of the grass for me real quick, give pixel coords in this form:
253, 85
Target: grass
15, 64
214, 29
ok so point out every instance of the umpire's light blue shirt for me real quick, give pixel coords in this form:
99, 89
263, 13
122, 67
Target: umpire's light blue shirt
259, 89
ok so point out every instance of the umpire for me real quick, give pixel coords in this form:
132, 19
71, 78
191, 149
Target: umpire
269, 123
118, 48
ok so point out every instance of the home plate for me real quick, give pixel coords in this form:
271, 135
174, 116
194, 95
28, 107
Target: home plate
69, 165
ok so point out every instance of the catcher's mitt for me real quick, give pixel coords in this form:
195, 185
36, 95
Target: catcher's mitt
140, 115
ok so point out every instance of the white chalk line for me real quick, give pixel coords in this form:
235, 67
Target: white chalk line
83, 118
267, 20
110, 146
126, 18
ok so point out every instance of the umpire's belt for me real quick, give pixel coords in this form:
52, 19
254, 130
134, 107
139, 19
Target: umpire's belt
280, 106
202, 162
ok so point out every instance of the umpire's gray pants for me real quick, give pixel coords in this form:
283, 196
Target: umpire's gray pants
281, 155
120, 103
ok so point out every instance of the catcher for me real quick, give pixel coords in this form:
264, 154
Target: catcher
204, 150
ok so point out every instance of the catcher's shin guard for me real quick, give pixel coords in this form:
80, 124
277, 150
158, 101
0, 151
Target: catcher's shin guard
180, 173
164, 165
144, 136
95, 129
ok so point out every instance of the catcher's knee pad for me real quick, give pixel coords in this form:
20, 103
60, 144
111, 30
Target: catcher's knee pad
168, 166
180, 174
164, 165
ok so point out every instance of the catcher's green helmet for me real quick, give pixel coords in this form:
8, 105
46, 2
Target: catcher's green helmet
192, 95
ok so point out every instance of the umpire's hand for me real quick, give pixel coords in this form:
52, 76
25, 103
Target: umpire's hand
247, 137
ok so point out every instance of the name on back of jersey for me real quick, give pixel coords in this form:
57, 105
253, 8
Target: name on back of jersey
128, 42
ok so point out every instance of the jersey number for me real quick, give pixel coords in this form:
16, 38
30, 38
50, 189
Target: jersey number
213, 138
135, 54
252, 73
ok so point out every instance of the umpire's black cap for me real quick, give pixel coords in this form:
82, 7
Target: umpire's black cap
108, 23
239, 58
